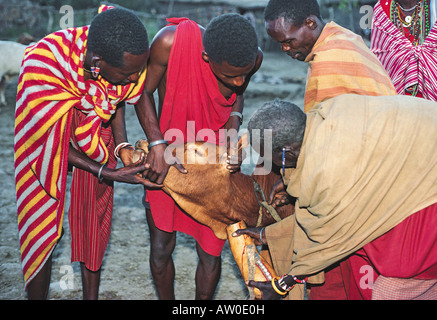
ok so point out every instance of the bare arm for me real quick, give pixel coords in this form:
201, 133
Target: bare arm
156, 70
126, 174
118, 125
234, 121
234, 158
146, 109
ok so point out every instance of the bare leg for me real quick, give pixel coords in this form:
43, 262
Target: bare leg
38, 288
207, 274
90, 283
162, 267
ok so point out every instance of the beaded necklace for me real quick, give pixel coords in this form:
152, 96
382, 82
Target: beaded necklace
418, 24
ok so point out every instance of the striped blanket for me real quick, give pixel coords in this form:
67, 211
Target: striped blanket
406, 64
340, 63
51, 84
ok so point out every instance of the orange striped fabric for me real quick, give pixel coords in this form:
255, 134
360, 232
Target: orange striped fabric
51, 84
341, 63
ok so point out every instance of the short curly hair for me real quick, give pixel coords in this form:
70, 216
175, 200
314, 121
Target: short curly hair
286, 120
231, 38
116, 31
295, 10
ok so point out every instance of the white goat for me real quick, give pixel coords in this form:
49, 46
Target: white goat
11, 56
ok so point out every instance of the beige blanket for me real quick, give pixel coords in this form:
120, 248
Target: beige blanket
366, 164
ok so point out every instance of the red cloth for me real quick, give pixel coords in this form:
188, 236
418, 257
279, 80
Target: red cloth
192, 92
192, 102
407, 251
91, 205
333, 288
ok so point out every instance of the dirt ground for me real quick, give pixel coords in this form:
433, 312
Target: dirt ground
125, 271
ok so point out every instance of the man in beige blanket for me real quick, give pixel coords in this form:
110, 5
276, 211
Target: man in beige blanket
339, 62
364, 182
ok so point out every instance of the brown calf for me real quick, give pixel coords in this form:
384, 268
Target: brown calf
211, 194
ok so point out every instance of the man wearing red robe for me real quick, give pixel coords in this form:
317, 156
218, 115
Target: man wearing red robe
201, 75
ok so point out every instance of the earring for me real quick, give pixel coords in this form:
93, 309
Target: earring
95, 71
283, 161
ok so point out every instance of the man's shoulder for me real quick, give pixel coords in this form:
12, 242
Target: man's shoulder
165, 35
337, 37
70, 32
66, 38
333, 29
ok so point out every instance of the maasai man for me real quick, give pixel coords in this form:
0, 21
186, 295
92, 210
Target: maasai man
70, 112
200, 84
404, 38
339, 62
364, 180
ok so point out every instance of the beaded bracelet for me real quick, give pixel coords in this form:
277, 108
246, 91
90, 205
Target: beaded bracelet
300, 281
121, 146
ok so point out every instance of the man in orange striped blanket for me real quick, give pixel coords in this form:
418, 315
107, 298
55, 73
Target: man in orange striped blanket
70, 111
339, 63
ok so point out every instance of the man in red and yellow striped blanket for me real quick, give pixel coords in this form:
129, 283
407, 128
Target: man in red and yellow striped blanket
339, 63
70, 111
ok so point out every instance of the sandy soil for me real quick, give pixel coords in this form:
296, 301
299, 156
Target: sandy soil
125, 270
